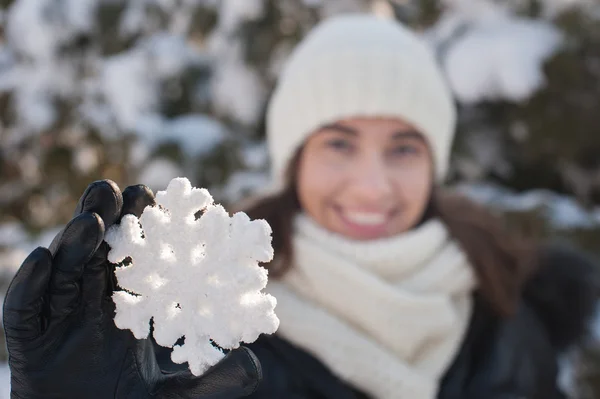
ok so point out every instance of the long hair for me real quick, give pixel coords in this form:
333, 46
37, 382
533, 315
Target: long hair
502, 260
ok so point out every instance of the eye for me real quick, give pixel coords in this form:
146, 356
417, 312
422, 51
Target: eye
339, 144
406, 150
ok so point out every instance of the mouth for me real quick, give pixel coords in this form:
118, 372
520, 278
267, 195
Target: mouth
365, 225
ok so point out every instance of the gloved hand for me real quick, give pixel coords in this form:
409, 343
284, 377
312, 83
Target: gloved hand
58, 320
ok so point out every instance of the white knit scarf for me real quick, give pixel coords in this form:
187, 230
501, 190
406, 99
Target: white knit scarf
387, 316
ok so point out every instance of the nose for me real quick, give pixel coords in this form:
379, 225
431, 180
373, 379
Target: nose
371, 183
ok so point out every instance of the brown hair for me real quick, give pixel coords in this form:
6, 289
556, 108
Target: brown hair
502, 261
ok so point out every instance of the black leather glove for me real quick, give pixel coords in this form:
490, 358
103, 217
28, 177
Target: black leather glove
58, 319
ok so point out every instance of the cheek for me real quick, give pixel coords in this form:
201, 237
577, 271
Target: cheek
415, 186
420, 185
314, 185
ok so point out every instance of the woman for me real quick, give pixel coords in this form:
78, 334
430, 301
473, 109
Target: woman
387, 285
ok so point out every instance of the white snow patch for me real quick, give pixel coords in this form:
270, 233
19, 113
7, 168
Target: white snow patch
35, 88
133, 18
17, 244
566, 374
238, 91
562, 211
36, 28
196, 134
128, 87
80, 14
86, 159
256, 156
10, 261
500, 60
234, 12
130, 80
241, 184
490, 54
29, 31
168, 54
44, 238
139, 152
553, 8
159, 172
12, 234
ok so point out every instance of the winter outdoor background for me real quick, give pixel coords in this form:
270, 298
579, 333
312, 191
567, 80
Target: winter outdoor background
146, 90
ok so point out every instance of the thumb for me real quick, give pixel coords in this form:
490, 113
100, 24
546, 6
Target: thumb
236, 376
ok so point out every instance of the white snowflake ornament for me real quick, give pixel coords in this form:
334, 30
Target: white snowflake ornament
197, 278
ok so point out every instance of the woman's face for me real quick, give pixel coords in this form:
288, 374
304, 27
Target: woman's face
365, 178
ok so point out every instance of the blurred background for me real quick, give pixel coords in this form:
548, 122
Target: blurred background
141, 91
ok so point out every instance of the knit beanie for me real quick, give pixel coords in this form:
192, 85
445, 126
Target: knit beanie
359, 66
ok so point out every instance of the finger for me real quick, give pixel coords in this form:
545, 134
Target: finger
104, 198
24, 299
136, 199
236, 376
79, 241
95, 283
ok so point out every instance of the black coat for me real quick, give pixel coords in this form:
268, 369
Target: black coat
513, 358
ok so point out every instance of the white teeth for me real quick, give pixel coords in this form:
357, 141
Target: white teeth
368, 219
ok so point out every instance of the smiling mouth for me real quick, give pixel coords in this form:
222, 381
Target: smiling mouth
365, 225
366, 218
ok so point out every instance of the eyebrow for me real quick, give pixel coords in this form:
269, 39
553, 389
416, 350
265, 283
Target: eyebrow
413, 134
340, 128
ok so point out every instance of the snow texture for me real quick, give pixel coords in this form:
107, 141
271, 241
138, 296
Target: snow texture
197, 278
488, 53
236, 89
243, 184
158, 172
500, 60
128, 88
551, 8
196, 134
35, 30
234, 12
561, 211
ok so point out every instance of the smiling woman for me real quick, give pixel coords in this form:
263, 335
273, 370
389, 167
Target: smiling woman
388, 285
365, 178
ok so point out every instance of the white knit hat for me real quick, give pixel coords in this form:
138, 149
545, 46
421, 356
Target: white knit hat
359, 66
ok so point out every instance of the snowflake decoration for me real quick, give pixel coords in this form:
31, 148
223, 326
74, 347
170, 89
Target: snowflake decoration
197, 278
